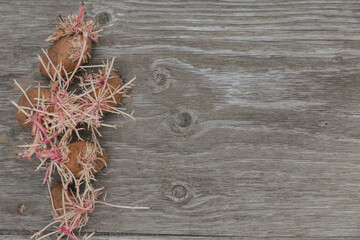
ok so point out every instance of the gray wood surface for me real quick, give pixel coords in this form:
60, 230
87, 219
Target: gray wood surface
250, 108
25, 237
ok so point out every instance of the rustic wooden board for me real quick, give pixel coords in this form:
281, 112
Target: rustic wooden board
25, 237
251, 106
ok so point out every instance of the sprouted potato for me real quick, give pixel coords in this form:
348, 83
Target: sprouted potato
31, 98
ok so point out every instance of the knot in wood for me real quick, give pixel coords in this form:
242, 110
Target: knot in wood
178, 191
160, 80
323, 123
103, 18
182, 121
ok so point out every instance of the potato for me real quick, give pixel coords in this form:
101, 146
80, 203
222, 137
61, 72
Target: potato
78, 153
56, 195
113, 83
67, 51
32, 94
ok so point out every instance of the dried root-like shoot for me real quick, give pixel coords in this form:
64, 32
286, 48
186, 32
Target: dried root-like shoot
74, 25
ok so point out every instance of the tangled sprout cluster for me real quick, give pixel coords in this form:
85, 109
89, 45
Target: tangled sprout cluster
73, 25
56, 115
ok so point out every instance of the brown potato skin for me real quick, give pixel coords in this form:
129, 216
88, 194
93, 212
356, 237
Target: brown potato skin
114, 81
74, 163
60, 52
56, 195
32, 94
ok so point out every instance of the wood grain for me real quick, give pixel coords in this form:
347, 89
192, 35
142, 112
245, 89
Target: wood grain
250, 108
25, 237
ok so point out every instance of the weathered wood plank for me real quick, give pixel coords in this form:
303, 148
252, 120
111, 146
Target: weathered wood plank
252, 106
25, 237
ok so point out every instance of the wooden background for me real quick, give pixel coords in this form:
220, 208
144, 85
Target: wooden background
247, 118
